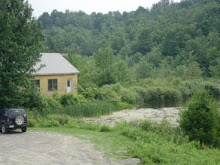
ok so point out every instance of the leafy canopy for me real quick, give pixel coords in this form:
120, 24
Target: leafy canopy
20, 43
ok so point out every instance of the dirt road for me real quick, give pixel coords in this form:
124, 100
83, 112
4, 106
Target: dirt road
48, 148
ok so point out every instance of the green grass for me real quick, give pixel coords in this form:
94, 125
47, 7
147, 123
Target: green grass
150, 142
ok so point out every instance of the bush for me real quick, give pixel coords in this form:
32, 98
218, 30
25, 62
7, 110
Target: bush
92, 93
110, 93
71, 99
165, 130
105, 128
51, 104
129, 96
42, 103
200, 120
213, 88
32, 123
34, 100
62, 119
48, 123
158, 96
195, 85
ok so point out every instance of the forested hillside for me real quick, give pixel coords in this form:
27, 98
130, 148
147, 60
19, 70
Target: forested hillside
173, 35
169, 50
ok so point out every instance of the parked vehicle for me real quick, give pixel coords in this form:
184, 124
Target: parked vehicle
11, 119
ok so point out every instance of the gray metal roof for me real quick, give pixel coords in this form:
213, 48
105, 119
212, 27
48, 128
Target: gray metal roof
54, 63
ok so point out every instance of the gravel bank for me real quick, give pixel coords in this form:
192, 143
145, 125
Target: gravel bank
170, 114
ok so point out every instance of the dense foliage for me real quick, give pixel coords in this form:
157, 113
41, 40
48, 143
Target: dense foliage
72, 105
20, 43
170, 39
201, 119
148, 57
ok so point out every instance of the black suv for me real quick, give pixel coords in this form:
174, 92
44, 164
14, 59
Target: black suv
12, 119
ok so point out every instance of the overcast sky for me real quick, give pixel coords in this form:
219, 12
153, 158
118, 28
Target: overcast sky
89, 6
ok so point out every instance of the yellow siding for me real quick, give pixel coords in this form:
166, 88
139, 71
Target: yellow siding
61, 82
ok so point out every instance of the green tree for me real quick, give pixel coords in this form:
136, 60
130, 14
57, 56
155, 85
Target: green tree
20, 43
135, 59
144, 42
215, 70
200, 120
189, 69
144, 70
87, 68
121, 72
104, 59
214, 60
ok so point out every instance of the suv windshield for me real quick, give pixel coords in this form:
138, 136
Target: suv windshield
15, 112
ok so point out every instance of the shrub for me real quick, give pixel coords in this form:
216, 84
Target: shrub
71, 99
195, 85
48, 123
213, 88
200, 120
109, 93
129, 96
92, 93
34, 100
51, 104
158, 96
62, 119
165, 130
42, 103
32, 123
105, 128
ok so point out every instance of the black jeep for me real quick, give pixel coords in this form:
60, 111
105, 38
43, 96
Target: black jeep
12, 119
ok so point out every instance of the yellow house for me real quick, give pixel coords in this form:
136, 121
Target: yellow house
54, 74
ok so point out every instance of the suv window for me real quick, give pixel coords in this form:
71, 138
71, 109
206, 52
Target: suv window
17, 112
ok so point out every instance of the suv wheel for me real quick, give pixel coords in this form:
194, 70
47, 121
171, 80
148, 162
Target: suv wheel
4, 129
24, 129
19, 120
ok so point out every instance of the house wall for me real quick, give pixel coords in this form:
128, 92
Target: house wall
61, 82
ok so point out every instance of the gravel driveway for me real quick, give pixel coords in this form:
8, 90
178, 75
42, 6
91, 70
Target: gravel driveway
48, 148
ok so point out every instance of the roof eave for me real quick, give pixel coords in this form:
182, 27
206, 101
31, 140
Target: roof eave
48, 74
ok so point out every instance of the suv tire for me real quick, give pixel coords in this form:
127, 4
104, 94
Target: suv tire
19, 120
4, 129
24, 129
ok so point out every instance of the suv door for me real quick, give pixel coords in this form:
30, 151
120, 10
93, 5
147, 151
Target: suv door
3, 116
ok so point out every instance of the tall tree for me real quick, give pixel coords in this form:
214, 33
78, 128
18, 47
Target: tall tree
20, 43
104, 59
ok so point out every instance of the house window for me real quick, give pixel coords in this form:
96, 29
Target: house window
36, 83
52, 85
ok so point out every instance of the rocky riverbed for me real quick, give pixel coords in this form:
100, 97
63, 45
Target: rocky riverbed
170, 114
